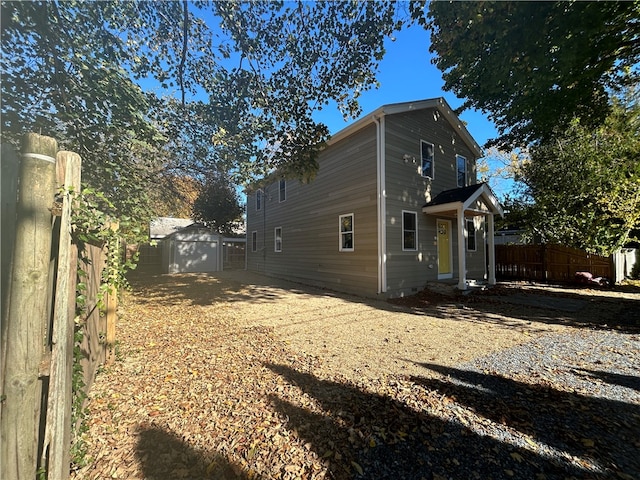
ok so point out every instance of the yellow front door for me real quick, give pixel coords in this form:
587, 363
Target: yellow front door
444, 249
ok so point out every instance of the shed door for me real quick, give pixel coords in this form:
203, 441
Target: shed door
444, 249
197, 256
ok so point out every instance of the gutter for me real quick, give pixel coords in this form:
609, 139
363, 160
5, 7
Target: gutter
381, 203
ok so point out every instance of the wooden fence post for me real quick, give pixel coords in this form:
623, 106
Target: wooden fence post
9, 162
58, 431
28, 309
111, 304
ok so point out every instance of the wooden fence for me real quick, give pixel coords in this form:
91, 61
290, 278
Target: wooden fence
39, 317
548, 263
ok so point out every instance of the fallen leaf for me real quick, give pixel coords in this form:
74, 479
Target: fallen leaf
357, 467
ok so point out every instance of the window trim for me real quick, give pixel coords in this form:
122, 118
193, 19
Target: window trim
254, 241
282, 190
277, 248
433, 160
466, 169
341, 233
475, 236
404, 230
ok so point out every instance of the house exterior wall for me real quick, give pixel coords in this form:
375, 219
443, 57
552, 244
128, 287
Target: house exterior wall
346, 183
309, 221
408, 190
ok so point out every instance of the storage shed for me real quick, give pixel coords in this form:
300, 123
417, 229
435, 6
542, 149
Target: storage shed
193, 249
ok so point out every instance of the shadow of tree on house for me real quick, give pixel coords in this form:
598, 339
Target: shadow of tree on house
462, 430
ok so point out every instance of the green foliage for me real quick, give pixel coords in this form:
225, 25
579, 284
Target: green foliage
218, 205
586, 183
534, 66
229, 92
79, 414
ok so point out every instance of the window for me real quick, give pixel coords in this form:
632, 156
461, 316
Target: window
277, 239
471, 236
258, 199
409, 230
283, 190
254, 241
461, 163
346, 233
426, 152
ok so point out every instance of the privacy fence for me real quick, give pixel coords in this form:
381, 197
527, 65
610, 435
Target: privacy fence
40, 317
549, 263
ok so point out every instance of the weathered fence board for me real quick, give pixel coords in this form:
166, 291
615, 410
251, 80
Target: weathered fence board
9, 162
92, 345
58, 430
548, 263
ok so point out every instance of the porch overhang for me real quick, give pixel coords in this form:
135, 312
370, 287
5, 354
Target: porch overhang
460, 203
450, 202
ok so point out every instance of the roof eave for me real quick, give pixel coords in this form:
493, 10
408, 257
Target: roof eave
394, 108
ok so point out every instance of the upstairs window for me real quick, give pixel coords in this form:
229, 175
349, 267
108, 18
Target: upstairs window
346, 233
409, 230
461, 167
283, 190
259, 200
426, 152
471, 236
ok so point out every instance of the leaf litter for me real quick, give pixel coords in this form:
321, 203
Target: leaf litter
200, 394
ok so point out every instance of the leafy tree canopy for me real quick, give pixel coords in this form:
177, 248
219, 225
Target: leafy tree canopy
535, 66
228, 85
585, 184
218, 205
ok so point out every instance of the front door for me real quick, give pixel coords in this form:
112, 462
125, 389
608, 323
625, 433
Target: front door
444, 249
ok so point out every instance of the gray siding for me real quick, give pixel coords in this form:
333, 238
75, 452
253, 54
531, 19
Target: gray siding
346, 183
309, 218
409, 271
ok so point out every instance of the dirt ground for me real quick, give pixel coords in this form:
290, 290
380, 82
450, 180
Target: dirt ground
357, 337
237, 375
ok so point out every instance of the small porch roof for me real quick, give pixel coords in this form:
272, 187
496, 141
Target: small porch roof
450, 202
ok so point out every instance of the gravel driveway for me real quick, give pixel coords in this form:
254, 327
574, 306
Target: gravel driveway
236, 375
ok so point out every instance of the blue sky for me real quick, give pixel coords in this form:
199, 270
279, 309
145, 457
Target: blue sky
407, 74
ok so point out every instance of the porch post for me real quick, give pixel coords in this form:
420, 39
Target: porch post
492, 250
462, 257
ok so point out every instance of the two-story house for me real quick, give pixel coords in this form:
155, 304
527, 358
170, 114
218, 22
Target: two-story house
395, 205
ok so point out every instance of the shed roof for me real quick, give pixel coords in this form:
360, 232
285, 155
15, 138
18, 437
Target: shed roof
162, 226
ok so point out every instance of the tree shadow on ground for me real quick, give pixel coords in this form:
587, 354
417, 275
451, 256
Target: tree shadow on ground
601, 429
204, 289
562, 306
369, 435
165, 456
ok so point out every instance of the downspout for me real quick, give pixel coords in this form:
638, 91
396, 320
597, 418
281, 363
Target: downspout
381, 204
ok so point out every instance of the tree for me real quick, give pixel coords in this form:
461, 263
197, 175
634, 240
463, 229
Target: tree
585, 183
227, 84
218, 205
535, 66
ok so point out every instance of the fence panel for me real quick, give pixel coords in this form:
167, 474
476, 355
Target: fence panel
548, 263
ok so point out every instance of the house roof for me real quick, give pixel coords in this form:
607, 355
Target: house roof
395, 108
464, 198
